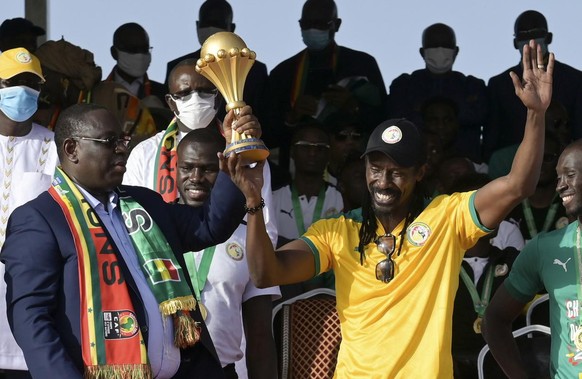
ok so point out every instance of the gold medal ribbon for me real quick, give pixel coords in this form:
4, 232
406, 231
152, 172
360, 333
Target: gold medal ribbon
479, 302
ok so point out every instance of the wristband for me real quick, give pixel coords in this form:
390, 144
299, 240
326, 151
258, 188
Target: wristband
254, 210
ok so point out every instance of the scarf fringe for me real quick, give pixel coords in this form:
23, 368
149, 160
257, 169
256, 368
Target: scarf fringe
186, 330
172, 306
129, 371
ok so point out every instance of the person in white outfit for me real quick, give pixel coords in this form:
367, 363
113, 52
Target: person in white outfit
220, 275
194, 101
28, 158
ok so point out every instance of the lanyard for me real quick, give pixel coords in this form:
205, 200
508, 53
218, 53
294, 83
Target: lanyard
198, 276
297, 212
529, 219
579, 269
578, 334
479, 303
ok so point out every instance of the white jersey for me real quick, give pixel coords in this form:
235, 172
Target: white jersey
227, 287
508, 235
283, 204
142, 166
27, 165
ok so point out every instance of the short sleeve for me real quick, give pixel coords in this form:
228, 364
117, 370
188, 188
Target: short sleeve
524, 280
322, 239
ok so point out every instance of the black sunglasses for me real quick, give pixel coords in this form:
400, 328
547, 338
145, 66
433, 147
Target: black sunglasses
316, 24
386, 244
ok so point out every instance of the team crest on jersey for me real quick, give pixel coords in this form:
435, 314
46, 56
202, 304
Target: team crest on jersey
417, 233
235, 251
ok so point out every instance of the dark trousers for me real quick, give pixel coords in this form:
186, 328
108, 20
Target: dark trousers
230, 371
198, 363
14, 374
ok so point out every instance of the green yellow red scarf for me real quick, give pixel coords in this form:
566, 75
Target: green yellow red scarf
166, 162
298, 85
111, 340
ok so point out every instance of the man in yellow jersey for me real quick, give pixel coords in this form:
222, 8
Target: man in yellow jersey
397, 262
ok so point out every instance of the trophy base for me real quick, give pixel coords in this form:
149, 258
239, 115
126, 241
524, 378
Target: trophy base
250, 149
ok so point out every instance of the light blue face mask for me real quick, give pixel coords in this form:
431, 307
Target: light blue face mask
18, 103
540, 41
315, 39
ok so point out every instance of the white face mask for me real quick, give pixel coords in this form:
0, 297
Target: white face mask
135, 65
316, 39
194, 111
439, 59
204, 33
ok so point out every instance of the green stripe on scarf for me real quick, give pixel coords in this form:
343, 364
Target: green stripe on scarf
108, 346
164, 274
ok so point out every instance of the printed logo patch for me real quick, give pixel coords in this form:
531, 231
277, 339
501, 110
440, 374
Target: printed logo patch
562, 264
417, 233
392, 135
23, 57
162, 270
235, 251
119, 324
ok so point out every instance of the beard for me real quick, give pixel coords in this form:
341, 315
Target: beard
574, 211
384, 209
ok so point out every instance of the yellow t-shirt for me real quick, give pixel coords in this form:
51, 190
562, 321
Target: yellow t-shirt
401, 329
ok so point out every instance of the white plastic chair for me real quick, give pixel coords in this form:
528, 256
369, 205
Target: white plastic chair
534, 304
516, 333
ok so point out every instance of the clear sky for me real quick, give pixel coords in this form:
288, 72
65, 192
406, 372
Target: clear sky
388, 30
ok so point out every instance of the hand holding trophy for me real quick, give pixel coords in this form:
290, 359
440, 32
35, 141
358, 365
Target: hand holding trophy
226, 60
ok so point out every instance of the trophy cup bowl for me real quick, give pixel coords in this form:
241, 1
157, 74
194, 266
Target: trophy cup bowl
226, 60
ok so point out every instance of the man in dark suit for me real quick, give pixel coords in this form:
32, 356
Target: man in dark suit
322, 80
49, 261
132, 52
216, 16
506, 113
410, 94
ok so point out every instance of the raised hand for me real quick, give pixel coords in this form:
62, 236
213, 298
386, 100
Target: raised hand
248, 178
535, 88
243, 122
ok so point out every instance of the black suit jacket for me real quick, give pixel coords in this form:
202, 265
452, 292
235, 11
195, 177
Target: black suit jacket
349, 63
507, 113
43, 295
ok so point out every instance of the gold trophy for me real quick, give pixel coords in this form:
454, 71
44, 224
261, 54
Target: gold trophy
226, 60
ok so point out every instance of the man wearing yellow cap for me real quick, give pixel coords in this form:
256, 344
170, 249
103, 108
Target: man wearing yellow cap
29, 158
